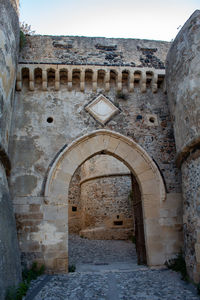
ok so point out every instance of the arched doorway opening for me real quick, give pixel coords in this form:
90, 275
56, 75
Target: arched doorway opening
105, 220
145, 172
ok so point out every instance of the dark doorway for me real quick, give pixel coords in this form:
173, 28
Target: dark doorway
139, 225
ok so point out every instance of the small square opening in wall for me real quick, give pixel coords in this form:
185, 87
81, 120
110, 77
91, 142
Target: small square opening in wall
118, 223
74, 208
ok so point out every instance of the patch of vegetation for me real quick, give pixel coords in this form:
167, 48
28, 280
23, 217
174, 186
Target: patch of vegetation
130, 196
178, 264
17, 293
25, 30
71, 268
133, 239
32, 273
22, 41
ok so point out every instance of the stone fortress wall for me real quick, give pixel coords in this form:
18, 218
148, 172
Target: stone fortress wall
77, 97
183, 84
10, 268
57, 101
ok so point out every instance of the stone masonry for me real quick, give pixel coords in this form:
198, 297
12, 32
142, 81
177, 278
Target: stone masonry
183, 80
78, 97
107, 207
100, 203
10, 268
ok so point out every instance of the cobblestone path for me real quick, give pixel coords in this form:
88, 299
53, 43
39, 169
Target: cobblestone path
104, 273
83, 251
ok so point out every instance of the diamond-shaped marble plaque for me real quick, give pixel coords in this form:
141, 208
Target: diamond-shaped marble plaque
102, 109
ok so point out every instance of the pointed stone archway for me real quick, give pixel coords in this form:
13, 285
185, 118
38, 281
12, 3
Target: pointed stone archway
56, 194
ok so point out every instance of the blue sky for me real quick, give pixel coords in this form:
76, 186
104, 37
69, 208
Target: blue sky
152, 19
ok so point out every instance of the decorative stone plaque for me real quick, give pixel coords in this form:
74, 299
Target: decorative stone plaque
102, 109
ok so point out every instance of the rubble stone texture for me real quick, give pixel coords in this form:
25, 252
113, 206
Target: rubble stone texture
100, 202
106, 187
9, 252
183, 80
50, 128
53, 97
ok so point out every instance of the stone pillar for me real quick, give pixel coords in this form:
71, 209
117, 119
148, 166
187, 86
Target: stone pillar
10, 270
183, 88
107, 207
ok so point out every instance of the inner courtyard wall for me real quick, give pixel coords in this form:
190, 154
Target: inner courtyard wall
106, 199
100, 202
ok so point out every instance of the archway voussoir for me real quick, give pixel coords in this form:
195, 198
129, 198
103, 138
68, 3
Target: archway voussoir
87, 149
131, 157
98, 143
68, 166
75, 156
106, 139
146, 175
59, 187
123, 150
150, 187
113, 144
140, 166
61, 175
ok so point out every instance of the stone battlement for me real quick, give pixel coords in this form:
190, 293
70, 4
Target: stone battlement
80, 77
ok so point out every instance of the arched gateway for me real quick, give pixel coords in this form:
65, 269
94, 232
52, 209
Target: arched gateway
56, 193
